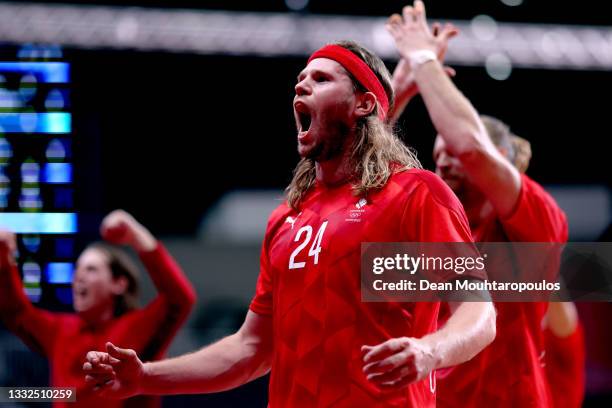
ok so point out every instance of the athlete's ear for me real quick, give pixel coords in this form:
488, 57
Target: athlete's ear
366, 102
119, 285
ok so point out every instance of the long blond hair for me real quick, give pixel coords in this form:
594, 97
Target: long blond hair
377, 151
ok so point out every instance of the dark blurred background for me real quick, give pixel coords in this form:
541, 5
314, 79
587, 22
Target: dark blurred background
198, 145
543, 11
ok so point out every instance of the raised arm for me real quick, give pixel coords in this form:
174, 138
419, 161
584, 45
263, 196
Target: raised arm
404, 84
36, 327
159, 321
119, 227
232, 361
452, 114
12, 298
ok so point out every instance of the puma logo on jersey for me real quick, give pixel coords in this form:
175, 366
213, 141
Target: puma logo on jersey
291, 220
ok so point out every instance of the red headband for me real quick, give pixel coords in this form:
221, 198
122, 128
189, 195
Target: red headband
359, 69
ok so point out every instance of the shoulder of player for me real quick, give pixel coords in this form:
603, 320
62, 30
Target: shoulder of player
534, 194
278, 216
423, 183
529, 186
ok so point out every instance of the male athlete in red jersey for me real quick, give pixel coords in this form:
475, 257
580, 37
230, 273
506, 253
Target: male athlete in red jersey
564, 343
356, 182
565, 355
105, 292
502, 205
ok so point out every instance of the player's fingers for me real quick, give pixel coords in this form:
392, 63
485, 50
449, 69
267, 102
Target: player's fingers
365, 350
394, 25
390, 363
394, 30
97, 368
104, 389
97, 380
9, 240
392, 376
119, 353
408, 14
450, 71
398, 384
383, 350
435, 28
96, 357
99, 357
449, 31
7, 237
394, 19
419, 12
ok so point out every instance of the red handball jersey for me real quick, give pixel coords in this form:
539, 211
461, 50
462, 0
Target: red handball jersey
565, 368
509, 372
65, 338
310, 284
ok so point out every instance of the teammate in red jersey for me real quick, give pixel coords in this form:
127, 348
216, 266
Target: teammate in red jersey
475, 160
104, 289
565, 355
565, 350
356, 182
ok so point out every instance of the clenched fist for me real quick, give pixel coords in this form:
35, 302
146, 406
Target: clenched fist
121, 228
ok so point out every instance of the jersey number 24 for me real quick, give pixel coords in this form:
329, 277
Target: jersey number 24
315, 248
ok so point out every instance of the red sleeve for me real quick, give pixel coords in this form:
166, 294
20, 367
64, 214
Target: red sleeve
565, 368
169, 279
36, 327
159, 321
536, 217
263, 300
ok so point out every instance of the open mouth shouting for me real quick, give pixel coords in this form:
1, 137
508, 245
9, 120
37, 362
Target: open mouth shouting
79, 292
303, 119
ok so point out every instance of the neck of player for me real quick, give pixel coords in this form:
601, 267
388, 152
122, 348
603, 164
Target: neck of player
98, 318
336, 170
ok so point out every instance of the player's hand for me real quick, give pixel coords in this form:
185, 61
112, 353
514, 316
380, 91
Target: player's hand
8, 246
411, 32
398, 362
442, 36
117, 373
119, 228
404, 84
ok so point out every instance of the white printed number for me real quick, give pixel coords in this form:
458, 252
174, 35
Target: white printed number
315, 249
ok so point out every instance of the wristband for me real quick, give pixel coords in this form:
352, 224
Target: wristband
420, 57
